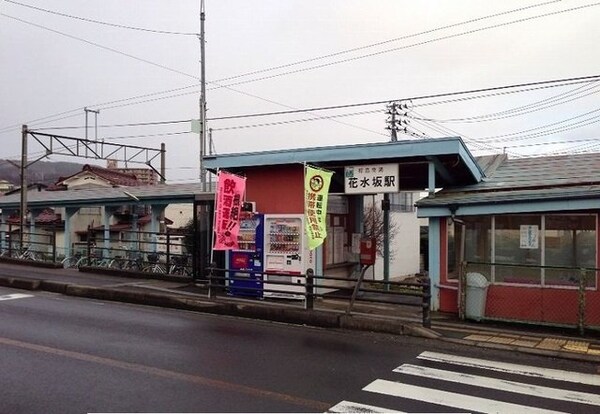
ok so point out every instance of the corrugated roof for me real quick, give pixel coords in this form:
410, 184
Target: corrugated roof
159, 194
527, 179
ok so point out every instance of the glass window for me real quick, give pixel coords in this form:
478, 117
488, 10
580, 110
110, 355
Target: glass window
516, 241
570, 241
477, 245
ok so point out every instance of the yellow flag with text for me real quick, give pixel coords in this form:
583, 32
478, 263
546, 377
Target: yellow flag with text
316, 190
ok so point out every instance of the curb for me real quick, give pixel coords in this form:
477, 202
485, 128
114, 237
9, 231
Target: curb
33, 263
317, 318
532, 351
133, 274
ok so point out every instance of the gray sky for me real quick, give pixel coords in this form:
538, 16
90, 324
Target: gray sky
377, 51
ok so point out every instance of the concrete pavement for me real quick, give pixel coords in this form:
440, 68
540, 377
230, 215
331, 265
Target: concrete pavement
181, 293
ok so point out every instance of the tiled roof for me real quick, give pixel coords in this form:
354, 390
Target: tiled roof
114, 177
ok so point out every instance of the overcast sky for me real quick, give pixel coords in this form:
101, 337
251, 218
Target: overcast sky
353, 52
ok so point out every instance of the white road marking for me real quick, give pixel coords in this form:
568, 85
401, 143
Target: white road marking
509, 368
449, 399
15, 296
352, 407
500, 384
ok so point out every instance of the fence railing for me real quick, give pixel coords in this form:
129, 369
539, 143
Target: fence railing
35, 246
562, 296
140, 251
310, 288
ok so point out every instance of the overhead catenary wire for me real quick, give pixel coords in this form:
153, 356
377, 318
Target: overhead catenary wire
432, 30
121, 26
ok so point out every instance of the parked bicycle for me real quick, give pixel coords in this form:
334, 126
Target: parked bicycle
179, 266
154, 265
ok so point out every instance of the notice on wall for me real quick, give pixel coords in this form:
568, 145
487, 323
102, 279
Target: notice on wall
530, 236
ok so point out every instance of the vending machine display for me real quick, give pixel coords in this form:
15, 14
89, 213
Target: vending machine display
246, 263
286, 255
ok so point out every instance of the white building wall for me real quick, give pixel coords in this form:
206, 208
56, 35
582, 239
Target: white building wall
181, 214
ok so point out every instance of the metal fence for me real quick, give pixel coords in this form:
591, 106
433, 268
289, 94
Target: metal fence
311, 291
34, 246
140, 251
558, 296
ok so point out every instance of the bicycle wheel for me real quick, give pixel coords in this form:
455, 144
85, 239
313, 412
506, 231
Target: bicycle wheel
69, 262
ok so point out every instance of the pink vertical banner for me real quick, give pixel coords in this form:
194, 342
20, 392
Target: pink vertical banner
230, 196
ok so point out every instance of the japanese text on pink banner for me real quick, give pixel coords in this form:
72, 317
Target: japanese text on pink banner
230, 195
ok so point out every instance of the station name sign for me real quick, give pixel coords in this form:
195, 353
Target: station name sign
371, 179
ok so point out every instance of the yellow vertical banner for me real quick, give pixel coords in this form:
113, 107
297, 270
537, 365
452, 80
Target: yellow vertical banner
316, 190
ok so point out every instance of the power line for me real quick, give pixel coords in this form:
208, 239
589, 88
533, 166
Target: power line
414, 44
100, 46
300, 62
556, 100
500, 137
100, 22
429, 41
293, 121
498, 90
524, 87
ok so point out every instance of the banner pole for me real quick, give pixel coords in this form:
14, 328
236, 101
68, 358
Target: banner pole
212, 243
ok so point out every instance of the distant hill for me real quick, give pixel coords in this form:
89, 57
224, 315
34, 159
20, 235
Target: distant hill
45, 172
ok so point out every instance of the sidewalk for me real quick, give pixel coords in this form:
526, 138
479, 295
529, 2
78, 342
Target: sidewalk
328, 313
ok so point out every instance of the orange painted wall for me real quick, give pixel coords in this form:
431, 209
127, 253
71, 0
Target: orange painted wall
276, 190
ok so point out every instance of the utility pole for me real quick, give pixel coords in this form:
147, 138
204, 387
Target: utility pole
394, 123
23, 205
202, 99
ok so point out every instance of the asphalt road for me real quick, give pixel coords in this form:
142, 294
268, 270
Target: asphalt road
65, 355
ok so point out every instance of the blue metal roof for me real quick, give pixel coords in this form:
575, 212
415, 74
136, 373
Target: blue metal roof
105, 196
452, 149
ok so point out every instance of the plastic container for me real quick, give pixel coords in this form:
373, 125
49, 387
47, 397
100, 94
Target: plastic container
476, 294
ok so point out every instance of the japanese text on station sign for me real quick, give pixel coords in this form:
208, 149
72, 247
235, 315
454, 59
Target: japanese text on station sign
371, 179
230, 195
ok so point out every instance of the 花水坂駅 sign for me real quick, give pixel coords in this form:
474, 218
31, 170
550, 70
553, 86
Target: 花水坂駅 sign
371, 179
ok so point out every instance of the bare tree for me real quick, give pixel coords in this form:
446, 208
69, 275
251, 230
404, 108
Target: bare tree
373, 227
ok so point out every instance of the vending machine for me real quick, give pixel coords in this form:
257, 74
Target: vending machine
246, 263
286, 256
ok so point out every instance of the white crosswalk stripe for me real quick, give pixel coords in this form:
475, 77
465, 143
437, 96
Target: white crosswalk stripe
352, 407
547, 373
500, 384
439, 391
450, 399
15, 296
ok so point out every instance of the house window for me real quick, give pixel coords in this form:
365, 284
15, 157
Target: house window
546, 250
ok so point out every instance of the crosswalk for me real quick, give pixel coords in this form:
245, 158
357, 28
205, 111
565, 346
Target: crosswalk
14, 296
453, 383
